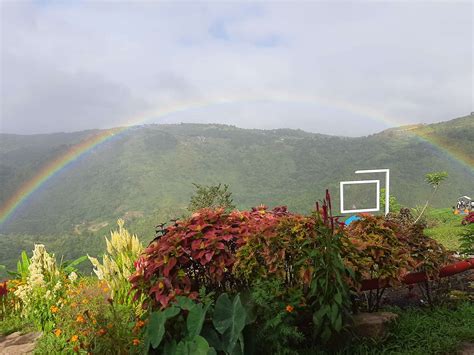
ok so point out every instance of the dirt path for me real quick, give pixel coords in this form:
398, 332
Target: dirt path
17, 343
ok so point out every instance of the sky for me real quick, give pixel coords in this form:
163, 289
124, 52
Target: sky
345, 68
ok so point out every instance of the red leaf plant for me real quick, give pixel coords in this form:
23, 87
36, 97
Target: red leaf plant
199, 251
468, 219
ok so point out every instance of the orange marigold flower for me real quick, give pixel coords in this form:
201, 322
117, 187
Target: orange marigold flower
74, 338
80, 319
289, 308
136, 342
57, 332
102, 331
54, 309
140, 324
110, 325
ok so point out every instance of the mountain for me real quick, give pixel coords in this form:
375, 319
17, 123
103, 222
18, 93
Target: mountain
145, 173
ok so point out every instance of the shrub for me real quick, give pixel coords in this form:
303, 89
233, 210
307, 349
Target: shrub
197, 252
388, 248
378, 253
90, 321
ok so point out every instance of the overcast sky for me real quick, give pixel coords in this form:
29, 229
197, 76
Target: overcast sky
348, 68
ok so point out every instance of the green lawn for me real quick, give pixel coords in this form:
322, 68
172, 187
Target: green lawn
425, 331
445, 227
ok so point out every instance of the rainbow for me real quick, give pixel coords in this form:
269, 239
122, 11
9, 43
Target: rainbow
58, 164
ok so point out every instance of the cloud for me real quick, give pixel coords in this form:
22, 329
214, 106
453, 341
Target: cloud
74, 65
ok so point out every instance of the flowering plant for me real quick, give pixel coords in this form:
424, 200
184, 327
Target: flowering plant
123, 249
44, 287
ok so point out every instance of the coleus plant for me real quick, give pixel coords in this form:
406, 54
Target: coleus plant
196, 252
469, 219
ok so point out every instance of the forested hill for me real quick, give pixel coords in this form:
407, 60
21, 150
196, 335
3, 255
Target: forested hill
146, 172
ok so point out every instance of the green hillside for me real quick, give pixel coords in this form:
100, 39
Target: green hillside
145, 174
150, 169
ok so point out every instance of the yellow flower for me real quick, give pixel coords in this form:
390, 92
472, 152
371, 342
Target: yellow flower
54, 309
74, 338
80, 319
57, 332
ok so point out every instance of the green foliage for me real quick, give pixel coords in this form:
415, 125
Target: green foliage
277, 311
213, 196
22, 267
14, 323
467, 241
177, 329
393, 202
70, 266
229, 319
434, 179
329, 292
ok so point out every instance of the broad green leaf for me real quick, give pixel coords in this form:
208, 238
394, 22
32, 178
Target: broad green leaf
197, 346
229, 319
170, 348
156, 328
212, 338
185, 303
195, 320
171, 312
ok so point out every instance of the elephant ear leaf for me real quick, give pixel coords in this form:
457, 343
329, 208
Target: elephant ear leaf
229, 320
195, 320
156, 328
196, 346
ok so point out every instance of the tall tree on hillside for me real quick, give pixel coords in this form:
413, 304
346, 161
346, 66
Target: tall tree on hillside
434, 179
212, 196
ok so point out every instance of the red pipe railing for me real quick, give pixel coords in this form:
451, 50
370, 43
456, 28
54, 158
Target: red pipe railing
417, 277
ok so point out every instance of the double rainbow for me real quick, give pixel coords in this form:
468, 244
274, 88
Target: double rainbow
63, 161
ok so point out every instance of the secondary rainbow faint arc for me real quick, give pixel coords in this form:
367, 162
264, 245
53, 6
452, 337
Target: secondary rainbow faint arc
61, 162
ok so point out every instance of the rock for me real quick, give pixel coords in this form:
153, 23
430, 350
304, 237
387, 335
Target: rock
373, 325
17, 343
466, 349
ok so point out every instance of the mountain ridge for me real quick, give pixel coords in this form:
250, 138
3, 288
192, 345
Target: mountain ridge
150, 168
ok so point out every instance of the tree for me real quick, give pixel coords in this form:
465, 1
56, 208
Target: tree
213, 196
434, 179
394, 205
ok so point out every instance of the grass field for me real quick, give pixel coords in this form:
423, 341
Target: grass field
445, 227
